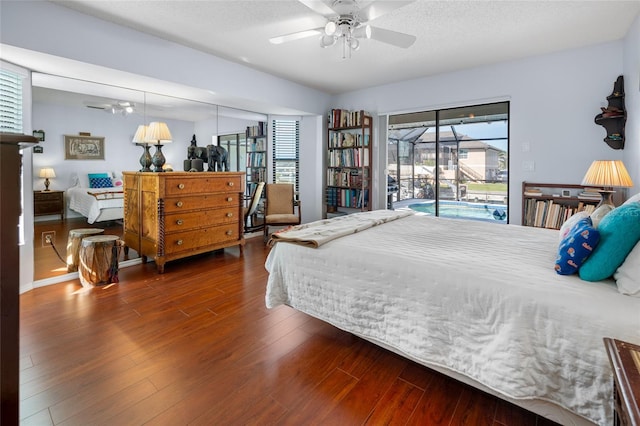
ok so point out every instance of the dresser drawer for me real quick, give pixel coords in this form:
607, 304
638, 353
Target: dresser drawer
44, 196
201, 219
191, 240
181, 185
209, 201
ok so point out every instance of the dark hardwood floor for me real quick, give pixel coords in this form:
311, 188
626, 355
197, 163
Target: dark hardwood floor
196, 345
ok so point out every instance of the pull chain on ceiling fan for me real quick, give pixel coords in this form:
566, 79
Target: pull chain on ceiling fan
347, 21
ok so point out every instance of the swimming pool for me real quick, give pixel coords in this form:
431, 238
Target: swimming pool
462, 209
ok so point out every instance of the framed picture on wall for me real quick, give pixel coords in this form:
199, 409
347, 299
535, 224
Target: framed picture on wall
77, 147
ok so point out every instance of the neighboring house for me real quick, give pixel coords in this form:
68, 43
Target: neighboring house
476, 161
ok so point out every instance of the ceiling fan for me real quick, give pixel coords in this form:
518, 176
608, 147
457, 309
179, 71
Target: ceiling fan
347, 21
120, 107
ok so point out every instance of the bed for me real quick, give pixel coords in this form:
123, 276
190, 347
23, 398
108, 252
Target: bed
97, 204
477, 301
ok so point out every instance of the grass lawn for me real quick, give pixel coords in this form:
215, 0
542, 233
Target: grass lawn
492, 187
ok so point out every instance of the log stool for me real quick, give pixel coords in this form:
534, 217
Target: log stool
73, 245
99, 260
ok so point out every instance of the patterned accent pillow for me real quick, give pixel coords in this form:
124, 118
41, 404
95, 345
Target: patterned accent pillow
100, 182
576, 247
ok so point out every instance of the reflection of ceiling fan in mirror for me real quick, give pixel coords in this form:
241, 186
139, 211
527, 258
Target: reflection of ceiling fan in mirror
347, 22
119, 107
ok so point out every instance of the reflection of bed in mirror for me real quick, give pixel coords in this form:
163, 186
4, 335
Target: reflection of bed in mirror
97, 204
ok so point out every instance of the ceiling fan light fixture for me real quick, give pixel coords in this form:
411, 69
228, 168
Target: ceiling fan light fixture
327, 41
330, 28
354, 44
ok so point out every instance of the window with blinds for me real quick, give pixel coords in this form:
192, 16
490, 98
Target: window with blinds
286, 151
10, 102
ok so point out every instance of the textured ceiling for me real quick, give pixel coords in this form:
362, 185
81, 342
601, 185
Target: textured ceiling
451, 35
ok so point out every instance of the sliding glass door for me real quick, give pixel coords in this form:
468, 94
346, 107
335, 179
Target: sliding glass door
452, 162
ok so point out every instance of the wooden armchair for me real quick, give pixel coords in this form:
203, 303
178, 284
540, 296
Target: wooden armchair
280, 207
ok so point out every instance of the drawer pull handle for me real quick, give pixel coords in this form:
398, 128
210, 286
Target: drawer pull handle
179, 242
230, 183
181, 186
229, 198
179, 222
229, 232
179, 204
229, 214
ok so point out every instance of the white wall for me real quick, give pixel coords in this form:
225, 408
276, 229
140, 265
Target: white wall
632, 103
554, 99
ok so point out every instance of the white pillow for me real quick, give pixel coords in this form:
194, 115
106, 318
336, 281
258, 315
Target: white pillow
568, 224
634, 199
628, 274
599, 213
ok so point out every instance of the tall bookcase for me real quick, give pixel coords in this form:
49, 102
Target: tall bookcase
256, 155
548, 205
349, 161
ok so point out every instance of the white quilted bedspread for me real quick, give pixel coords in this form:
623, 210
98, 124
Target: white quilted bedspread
89, 206
479, 299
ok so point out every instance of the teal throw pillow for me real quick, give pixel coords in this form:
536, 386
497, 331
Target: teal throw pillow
619, 233
98, 175
576, 247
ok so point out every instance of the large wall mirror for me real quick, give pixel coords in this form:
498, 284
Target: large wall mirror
102, 120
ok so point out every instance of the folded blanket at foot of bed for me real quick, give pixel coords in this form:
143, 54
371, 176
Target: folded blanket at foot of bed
314, 234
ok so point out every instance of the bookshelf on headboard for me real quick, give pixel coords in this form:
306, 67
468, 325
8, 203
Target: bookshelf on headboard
548, 205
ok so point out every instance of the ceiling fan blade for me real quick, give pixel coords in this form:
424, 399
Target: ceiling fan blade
319, 6
378, 8
392, 37
296, 36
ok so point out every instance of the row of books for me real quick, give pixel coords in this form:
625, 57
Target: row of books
257, 175
257, 159
346, 118
347, 177
351, 198
259, 130
347, 140
548, 214
258, 145
353, 157
590, 194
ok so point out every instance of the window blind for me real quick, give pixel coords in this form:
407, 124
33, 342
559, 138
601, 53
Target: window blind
286, 151
10, 102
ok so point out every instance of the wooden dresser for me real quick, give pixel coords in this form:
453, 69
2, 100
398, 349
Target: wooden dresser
172, 215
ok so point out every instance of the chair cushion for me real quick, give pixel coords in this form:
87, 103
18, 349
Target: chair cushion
282, 218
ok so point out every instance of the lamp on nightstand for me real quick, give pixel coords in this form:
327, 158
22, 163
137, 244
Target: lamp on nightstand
606, 174
47, 173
